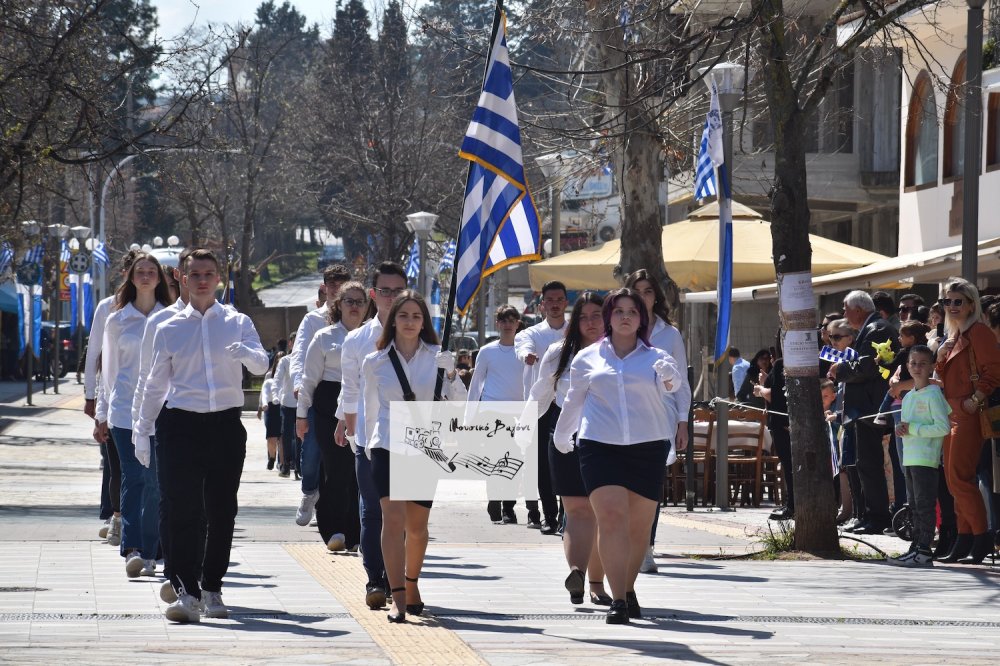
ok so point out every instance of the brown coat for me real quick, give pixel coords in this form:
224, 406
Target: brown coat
956, 371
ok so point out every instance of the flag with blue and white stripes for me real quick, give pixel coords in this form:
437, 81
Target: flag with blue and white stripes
6, 256
35, 255
448, 258
101, 255
710, 153
413, 263
64, 253
499, 223
435, 306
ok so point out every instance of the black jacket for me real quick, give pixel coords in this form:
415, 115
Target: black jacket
864, 387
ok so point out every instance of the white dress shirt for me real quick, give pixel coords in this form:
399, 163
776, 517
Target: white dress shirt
535, 340
322, 364
381, 387
146, 350
283, 388
498, 374
94, 347
308, 327
267, 393
120, 365
546, 390
357, 345
668, 338
193, 370
616, 400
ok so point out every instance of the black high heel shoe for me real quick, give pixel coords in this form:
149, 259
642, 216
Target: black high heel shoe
574, 585
962, 547
400, 617
599, 599
946, 541
417, 608
982, 545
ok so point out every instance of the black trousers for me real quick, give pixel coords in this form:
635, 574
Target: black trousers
202, 464
781, 444
337, 508
871, 469
112, 475
165, 512
550, 507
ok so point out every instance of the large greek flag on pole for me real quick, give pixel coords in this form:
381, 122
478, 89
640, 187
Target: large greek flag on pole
499, 223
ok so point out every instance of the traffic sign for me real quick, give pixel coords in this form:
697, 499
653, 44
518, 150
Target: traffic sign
79, 262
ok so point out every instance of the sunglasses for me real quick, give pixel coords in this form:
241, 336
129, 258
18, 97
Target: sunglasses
956, 302
837, 337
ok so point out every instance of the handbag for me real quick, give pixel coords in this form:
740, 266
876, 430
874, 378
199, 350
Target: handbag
989, 415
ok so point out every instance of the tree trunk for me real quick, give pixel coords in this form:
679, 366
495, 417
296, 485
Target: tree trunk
243, 277
815, 528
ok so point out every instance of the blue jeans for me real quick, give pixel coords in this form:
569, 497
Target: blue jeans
371, 520
310, 457
140, 498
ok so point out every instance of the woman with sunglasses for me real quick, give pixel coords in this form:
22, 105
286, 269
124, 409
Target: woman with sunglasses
968, 363
615, 407
404, 367
337, 513
841, 337
143, 293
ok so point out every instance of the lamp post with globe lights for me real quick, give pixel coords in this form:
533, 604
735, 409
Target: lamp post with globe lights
422, 224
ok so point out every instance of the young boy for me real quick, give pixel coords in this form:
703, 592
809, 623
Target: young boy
923, 427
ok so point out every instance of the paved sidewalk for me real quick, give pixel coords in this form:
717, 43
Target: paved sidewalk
494, 593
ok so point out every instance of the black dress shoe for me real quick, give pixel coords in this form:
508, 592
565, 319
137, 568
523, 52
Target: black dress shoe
270, 463
946, 539
632, 603
982, 545
374, 596
534, 524
859, 527
784, 513
509, 518
574, 585
962, 547
548, 528
618, 613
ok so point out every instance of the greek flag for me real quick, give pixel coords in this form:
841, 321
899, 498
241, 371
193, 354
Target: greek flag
35, 255
413, 264
448, 258
710, 154
499, 223
7, 256
828, 353
64, 253
101, 254
435, 306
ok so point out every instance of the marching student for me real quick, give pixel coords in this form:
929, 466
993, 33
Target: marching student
404, 367
615, 407
337, 514
284, 391
270, 408
143, 294
197, 368
111, 479
529, 345
388, 280
498, 376
586, 326
309, 458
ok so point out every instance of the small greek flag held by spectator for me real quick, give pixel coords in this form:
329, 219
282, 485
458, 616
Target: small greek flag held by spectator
413, 263
101, 255
448, 259
435, 306
7, 256
35, 255
64, 253
828, 353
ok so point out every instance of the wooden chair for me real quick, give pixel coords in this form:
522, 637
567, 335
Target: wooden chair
745, 458
674, 487
771, 478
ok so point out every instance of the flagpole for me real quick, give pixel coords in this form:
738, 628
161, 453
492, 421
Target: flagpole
452, 289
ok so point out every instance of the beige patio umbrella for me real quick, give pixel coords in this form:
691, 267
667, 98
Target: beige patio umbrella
691, 255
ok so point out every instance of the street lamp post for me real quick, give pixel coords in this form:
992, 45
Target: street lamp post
31, 231
555, 167
730, 79
56, 233
422, 224
79, 243
973, 140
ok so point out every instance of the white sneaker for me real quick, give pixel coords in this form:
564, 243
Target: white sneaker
105, 528
148, 568
213, 606
115, 531
337, 543
167, 592
305, 511
134, 564
648, 563
185, 609
913, 559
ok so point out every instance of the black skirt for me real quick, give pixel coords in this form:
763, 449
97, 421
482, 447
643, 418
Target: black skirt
636, 467
380, 473
272, 420
564, 468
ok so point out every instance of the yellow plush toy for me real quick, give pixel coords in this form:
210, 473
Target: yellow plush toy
885, 355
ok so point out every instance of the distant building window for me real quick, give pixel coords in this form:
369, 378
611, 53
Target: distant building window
993, 130
922, 134
954, 124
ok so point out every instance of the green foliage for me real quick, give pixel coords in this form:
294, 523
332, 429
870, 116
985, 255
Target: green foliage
991, 58
776, 543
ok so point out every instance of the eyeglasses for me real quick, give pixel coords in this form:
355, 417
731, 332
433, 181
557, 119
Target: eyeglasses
837, 337
392, 293
353, 302
956, 302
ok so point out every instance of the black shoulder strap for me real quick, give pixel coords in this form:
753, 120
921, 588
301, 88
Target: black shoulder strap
408, 394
